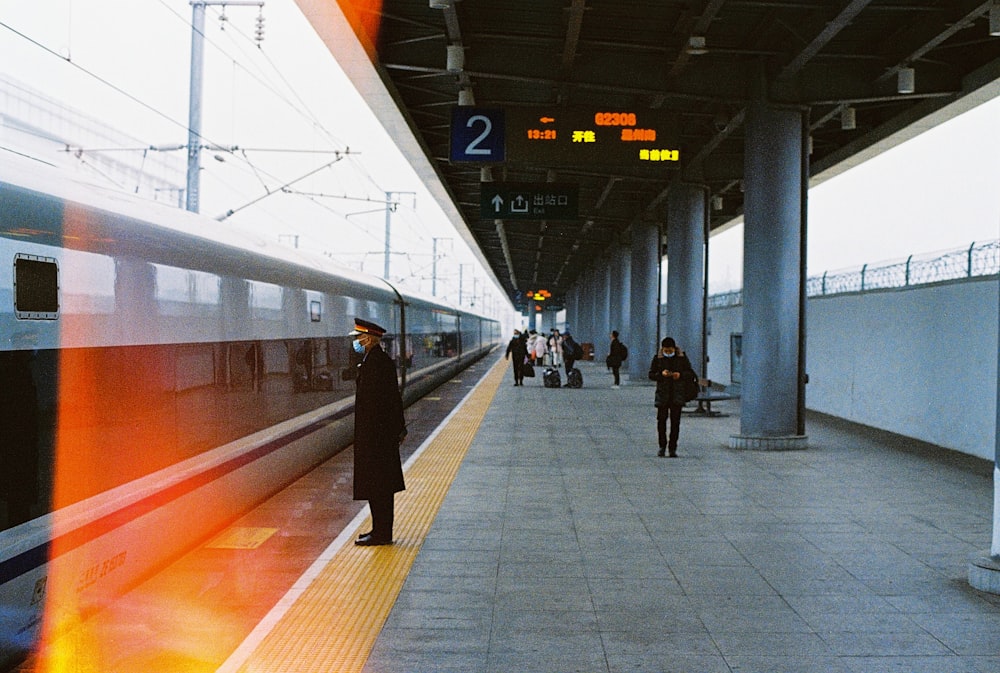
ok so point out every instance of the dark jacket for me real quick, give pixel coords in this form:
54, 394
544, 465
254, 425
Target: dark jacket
669, 391
379, 426
517, 349
617, 354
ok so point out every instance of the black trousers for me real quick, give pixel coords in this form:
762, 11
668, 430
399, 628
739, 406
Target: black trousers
382, 509
615, 371
518, 372
674, 413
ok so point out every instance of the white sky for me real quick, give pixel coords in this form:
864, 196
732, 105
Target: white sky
936, 192
289, 94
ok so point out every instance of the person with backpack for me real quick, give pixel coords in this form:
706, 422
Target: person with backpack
571, 352
674, 375
617, 355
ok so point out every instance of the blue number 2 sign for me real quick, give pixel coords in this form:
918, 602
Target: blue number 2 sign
477, 135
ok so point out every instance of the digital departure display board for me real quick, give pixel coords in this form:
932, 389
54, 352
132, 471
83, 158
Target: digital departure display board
581, 136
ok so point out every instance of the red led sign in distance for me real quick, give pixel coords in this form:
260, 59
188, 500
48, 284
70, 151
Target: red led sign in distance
580, 137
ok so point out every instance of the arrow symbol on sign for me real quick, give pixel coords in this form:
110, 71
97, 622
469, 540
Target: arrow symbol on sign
546, 120
497, 203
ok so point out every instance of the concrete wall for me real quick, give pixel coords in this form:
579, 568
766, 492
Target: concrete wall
919, 361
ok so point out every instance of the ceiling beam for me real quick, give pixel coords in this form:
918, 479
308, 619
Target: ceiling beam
960, 24
506, 253
841, 21
574, 25
699, 29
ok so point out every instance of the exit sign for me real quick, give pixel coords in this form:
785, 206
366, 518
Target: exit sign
529, 200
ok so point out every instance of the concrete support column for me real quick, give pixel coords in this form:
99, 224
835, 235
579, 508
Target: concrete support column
601, 329
686, 232
592, 295
620, 284
573, 305
586, 303
594, 285
583, 303
640, 333
984, 568
776, 170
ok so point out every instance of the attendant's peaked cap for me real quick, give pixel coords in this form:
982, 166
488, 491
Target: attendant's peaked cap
366, 327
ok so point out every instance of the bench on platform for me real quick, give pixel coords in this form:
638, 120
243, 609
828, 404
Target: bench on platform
712, 392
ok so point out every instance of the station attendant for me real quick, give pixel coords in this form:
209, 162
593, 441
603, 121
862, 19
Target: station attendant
379, 427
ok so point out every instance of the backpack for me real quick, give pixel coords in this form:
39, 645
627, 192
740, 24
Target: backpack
624, 352
575, 349
691, 388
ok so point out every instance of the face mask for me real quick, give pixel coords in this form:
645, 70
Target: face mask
358, 346
668, 355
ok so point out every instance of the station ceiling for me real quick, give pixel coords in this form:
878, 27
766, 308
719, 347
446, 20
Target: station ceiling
691, 65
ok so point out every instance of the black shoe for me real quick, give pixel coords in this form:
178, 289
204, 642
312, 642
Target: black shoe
673, 454
370, 540
661, 453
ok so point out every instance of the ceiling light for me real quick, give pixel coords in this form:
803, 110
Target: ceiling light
465, 97
906, 82
716, 202
848, 120
456, 58
995, 19
696, 45
440, 4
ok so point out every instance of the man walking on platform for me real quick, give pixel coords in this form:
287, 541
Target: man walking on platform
617, 354
671, 369
379, 427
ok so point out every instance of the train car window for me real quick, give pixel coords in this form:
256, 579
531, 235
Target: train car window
266, 300
184, 286
36, 287
245, 365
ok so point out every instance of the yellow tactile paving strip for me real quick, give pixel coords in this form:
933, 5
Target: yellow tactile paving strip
334, 623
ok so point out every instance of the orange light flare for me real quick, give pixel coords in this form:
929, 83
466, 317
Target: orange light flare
364, 16
114, 424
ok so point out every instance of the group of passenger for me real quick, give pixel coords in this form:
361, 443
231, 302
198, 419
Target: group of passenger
670, 369
530, 348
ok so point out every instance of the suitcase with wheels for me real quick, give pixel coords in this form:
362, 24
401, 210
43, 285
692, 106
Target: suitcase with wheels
551, 378
574, 379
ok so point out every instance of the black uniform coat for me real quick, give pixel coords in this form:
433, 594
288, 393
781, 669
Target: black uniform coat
378, 428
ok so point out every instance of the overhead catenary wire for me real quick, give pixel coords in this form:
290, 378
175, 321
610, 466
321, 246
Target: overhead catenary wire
264, 70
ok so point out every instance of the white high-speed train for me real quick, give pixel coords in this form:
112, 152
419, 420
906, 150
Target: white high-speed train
158, 378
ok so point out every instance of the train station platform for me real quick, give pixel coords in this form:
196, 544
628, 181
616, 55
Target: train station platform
540, 533
563, 543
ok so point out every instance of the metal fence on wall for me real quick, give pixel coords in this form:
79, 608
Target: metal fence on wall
979, 259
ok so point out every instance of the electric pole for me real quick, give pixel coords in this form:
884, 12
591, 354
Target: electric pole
193, 194
434, 265
390, 206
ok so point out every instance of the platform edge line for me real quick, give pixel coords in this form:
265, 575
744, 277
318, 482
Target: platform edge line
255, 638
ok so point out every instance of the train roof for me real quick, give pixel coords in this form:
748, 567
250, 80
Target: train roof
143, 227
